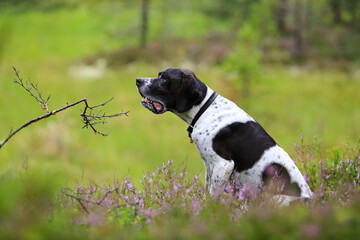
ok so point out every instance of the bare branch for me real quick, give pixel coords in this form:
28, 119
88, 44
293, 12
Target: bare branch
82, 200
37, 95
90, 119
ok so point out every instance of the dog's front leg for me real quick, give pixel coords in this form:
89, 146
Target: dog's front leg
219, 176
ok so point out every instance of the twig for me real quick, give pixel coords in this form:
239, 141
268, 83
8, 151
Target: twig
37, 95
88, 119
82, 200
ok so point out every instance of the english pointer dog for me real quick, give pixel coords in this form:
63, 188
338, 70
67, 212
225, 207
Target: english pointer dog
232, 144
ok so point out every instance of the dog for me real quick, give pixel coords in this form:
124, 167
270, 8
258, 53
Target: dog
230, 142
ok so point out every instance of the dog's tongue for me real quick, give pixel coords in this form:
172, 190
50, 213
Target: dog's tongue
157, 105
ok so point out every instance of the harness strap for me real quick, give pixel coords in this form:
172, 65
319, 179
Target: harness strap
200, 112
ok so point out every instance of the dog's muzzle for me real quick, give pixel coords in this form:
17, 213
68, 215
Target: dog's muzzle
149, 103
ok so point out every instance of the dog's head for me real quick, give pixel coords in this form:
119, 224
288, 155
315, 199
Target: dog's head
175, 89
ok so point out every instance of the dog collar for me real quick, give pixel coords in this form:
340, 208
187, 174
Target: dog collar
200, 112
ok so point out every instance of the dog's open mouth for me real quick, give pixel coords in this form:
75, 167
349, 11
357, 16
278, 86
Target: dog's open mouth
153, 106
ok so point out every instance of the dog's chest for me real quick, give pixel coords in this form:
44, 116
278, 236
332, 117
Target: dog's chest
220, 114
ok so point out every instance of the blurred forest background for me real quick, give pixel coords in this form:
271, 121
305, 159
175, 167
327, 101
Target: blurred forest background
294, 65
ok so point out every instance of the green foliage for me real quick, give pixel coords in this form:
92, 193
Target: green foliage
337, 170
245, 59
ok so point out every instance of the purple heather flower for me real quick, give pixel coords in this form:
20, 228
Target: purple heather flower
148, 212
175, 187
307, 178
188, 190
78, 187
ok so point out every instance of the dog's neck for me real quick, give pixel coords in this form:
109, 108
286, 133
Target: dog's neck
189, 115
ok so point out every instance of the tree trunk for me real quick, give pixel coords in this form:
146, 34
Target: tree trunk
335, 6
280, 15
298, 31
144, 23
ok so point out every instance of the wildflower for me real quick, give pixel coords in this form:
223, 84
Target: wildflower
175, 187
307, 178
188, 190
149, 214
129, 186
78, 187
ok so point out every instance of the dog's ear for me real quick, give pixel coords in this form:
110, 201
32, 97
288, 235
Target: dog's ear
192, 92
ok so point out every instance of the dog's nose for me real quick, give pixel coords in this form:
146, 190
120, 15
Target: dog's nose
139, 81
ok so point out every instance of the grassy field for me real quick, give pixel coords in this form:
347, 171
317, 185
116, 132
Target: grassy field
289, 101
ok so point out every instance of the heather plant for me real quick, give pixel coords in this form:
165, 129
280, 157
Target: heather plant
129, 203
168, 203
168, 193
335, 176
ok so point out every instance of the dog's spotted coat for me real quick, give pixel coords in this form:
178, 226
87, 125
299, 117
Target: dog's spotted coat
230, 142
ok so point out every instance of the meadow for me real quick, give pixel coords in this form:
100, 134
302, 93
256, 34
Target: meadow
58, 180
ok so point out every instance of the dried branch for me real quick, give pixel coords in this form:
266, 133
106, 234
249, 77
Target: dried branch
82, 200
37, 94
90, 119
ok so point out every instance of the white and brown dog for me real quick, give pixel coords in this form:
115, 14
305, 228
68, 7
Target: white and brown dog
231, 143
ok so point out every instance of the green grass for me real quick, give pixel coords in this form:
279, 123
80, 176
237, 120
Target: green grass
287, 101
